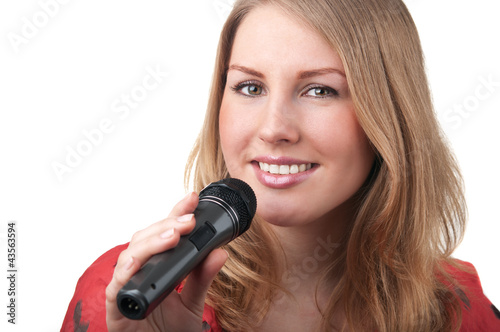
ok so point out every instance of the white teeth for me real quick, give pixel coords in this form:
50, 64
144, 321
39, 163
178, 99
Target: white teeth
284, 169
274, 169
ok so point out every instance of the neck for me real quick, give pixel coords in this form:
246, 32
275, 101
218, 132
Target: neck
310, 249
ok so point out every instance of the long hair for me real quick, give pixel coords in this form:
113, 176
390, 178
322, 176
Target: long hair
410, 214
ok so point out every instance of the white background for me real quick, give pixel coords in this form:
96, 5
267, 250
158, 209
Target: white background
67, 76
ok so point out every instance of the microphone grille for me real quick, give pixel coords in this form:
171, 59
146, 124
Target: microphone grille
239, 195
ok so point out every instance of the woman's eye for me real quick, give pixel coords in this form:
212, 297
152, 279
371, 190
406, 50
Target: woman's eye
321, 92
248, 89
253, 90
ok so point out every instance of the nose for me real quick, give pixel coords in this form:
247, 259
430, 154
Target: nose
278, 123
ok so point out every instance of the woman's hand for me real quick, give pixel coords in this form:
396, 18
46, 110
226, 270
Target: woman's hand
178, 312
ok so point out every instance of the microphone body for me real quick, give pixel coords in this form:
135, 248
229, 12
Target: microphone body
224, 211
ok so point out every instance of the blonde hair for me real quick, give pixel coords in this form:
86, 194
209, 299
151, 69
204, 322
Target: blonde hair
410, 213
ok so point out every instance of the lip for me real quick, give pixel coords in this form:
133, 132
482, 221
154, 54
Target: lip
277, 181
281, 160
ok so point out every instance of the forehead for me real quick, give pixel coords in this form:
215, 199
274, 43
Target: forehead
268, 36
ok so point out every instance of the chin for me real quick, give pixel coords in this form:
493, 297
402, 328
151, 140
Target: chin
281, 217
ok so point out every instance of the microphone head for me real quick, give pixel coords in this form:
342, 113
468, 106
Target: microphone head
239, 195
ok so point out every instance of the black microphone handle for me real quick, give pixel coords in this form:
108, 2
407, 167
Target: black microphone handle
216, 225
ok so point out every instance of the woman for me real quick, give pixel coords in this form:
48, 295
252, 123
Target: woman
323, 108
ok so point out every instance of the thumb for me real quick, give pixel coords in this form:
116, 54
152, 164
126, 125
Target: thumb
195, 291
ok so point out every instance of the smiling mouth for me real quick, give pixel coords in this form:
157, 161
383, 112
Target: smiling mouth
284, 169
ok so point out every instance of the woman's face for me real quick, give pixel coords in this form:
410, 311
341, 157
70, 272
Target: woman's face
287, 121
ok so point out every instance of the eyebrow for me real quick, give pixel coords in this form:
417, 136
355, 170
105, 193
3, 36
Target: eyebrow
319, 72
246, 70
302, 75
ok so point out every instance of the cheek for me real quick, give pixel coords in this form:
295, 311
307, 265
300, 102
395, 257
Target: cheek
361, 146
232, 135
360, 154
225, 131
344, 143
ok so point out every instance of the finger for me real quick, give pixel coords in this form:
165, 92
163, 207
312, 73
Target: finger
195, 291
184, 224
186, 205
142, 250
181, 214
117, 282
131, 259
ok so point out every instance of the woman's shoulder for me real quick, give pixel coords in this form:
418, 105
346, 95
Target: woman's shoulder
87, 309
478, 313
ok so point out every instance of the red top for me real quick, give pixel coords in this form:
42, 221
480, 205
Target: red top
87, 309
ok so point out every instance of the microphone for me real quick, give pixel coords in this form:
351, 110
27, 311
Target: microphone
225, 211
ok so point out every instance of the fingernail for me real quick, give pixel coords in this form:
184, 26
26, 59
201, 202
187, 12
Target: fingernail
185, 218
129, 264
167, 234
